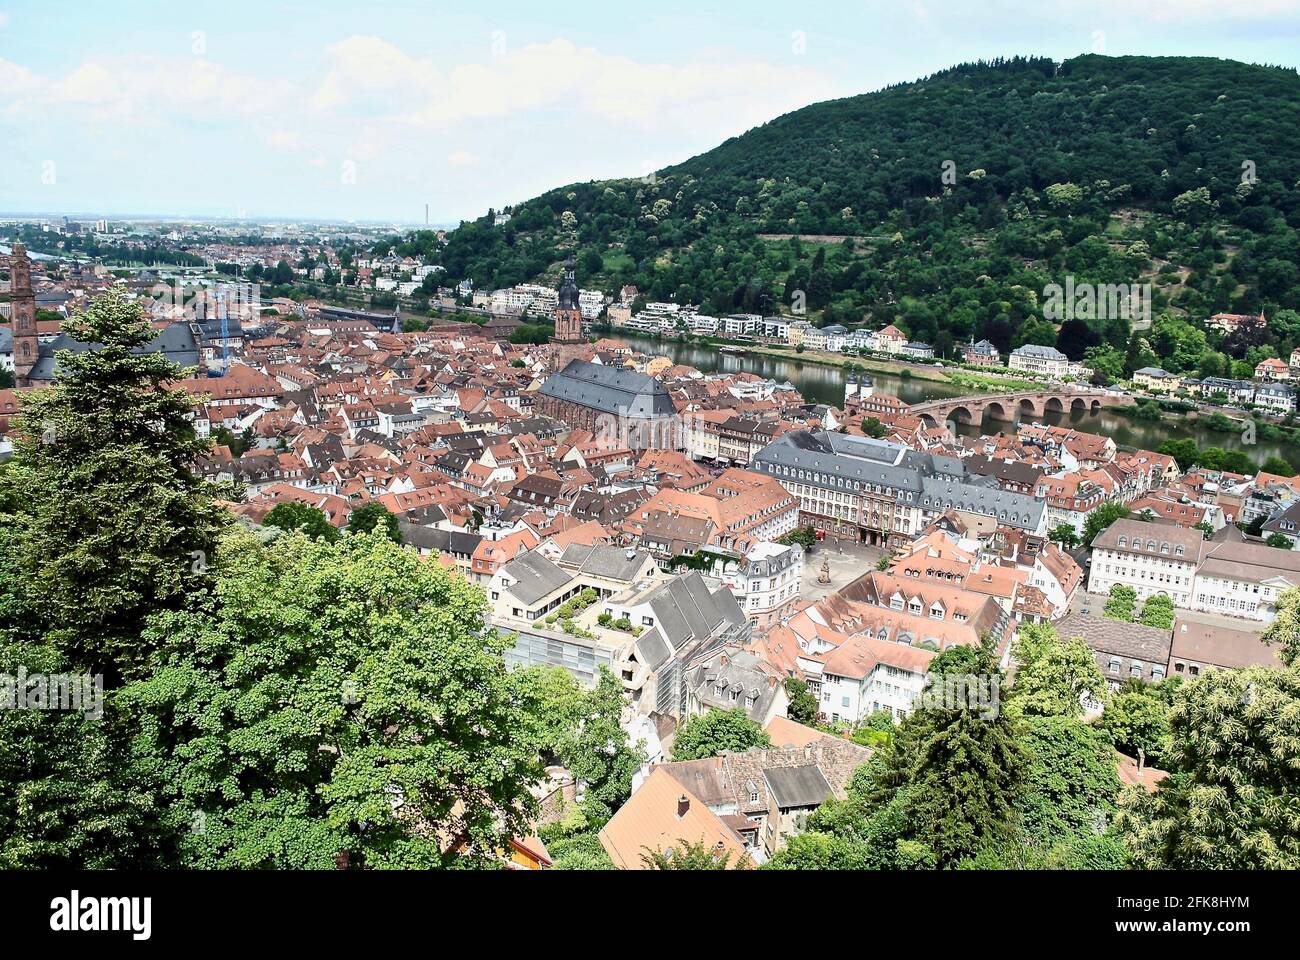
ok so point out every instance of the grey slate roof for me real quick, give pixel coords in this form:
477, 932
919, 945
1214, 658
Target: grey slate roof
536, 576
686, 613
1132, 640
613, 563
933, 481
175, 342
797, 786
444, 541
1037, 350
653, 649
609, 389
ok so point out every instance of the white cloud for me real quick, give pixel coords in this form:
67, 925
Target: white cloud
461, 158
284, 139
366, 72
149, 89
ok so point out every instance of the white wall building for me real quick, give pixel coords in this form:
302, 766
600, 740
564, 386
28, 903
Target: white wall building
1149, 557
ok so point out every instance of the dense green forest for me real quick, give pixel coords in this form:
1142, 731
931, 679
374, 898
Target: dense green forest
960, 197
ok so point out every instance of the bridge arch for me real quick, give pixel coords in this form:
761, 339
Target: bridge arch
1095, 407
960, 414
996, 410
1028, 408
1053, 405
1078, 403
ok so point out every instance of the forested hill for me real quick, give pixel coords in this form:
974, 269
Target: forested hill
1183, 172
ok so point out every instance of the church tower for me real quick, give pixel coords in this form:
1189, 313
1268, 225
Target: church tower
23, 305
568, 319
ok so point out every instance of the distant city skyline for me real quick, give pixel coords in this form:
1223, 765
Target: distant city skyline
337, 112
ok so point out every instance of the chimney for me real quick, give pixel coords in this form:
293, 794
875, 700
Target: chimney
683, 804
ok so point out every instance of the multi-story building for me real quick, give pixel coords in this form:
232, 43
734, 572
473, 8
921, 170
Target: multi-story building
1039, 359
864, 675
876, 492
1236, 391
1244, 579
1276, 397
1155, 378
766, 582
981, 354
889, 340
1149, 557
1070, 499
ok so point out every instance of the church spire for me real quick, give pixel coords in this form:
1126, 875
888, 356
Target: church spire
569, 285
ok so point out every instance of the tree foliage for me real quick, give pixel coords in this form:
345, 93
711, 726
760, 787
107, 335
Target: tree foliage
111, 522
333, 698
1121, 603
1053, 675
1230, 803
371, 516
292, 515
708, 734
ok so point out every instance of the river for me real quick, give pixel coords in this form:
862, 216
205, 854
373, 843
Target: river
825, 384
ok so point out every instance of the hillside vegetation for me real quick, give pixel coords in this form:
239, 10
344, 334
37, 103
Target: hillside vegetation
1179, 172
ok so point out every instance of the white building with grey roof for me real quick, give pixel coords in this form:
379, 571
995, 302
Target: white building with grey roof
877, 492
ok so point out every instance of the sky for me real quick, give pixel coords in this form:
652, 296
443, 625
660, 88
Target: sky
371, 110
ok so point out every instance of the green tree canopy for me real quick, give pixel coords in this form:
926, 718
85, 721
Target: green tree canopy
803, 706
1052, 675
1102, 517
708, 734
333, 698
292, 515
1121, 604
111, 521
373, 515
1230, 803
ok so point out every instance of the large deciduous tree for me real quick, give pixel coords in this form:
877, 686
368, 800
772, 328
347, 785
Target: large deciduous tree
333, 699
1053, 675
708, 734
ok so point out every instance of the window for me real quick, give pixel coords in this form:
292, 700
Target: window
1114, 664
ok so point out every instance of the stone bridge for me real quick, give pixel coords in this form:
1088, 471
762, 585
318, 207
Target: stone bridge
1014, 407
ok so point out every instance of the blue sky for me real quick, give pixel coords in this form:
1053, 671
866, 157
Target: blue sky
371, 110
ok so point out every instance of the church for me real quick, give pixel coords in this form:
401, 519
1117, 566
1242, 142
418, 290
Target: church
613, 403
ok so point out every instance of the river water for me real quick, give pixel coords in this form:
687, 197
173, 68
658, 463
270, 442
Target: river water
824, 384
